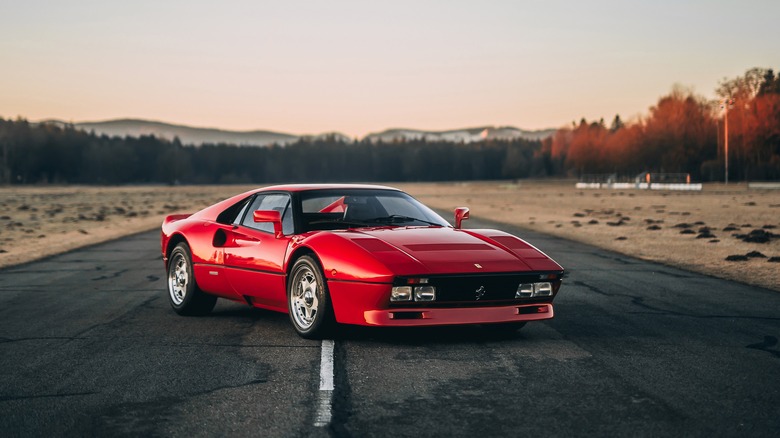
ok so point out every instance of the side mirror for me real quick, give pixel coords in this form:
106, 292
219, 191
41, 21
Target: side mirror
461, 214
270, 216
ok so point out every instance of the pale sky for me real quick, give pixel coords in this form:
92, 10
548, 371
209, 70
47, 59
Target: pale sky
364, 66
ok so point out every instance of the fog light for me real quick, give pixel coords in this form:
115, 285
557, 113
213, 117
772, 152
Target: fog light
401, 293
525, 290
424, 293
542, 289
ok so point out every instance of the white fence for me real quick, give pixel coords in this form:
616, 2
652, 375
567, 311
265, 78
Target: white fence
764, 185
641, 186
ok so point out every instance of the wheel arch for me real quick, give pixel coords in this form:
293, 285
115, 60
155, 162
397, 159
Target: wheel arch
174, 240
300, 252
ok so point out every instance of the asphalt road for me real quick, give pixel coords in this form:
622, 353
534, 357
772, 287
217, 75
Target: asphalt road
90, 346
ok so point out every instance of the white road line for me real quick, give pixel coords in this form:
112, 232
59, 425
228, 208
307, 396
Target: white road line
325, 396
326, 366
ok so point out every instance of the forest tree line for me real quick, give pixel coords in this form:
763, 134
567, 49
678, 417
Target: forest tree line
47, 153
683, 133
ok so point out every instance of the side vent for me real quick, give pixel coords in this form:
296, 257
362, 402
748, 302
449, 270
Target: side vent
220, 238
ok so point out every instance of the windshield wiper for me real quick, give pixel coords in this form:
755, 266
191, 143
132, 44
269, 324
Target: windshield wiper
348, 222
397, 219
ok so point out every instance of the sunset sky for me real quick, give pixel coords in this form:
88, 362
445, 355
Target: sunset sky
364, 66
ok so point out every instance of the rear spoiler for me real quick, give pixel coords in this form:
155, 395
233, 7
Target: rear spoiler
175, 217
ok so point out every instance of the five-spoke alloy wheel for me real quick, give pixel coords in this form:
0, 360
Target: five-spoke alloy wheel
185, 296
308, 300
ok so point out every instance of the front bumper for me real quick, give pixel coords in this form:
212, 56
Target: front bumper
456, 316
367, 304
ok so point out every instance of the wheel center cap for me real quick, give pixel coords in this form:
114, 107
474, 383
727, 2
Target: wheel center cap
308, 298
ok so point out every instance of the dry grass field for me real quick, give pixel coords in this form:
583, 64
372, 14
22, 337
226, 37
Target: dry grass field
691, 230
39, 221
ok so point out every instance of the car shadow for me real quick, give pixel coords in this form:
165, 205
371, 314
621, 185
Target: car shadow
446, 335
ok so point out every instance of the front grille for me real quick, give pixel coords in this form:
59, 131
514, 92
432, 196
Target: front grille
480, 290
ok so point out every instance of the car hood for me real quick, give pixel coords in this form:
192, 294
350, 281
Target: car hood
448, 250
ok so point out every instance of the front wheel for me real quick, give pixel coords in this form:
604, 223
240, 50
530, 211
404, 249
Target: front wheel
308, 300
183, 292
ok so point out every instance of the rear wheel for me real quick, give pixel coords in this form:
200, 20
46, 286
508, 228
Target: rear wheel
308, 300
183, 292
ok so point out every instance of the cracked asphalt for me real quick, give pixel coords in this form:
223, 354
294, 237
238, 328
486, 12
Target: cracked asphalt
90, 346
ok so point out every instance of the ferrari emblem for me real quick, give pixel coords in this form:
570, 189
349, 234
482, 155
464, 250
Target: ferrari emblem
480, 292
478, 265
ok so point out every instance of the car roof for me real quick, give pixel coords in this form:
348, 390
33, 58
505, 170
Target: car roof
216, 209
308, 187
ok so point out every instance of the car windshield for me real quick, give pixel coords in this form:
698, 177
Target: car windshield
338, 209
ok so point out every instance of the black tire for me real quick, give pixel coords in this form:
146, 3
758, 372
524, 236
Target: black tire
308, 300
183, 292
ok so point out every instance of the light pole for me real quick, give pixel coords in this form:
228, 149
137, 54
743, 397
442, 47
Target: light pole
725, 104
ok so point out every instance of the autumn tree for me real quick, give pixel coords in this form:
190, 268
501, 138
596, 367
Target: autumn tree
754, 123
616, 124
680, 133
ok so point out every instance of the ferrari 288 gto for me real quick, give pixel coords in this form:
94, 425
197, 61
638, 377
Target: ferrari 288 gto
353, 254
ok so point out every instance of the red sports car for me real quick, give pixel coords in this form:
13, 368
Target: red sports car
353, 254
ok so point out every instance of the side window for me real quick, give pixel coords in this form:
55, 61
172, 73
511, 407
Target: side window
233, 214
278, 202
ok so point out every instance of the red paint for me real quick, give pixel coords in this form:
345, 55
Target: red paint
457, 316
461, 214
272, 216
360, 264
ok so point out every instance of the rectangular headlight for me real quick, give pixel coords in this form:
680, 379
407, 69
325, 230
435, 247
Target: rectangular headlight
543, 289
424, 293
524, 290
401, 293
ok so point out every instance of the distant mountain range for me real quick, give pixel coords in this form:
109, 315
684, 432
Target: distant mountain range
467, 135
189, 134
200, 136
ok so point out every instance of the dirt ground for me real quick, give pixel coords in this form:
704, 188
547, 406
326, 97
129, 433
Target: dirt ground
692, 230
36, 222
